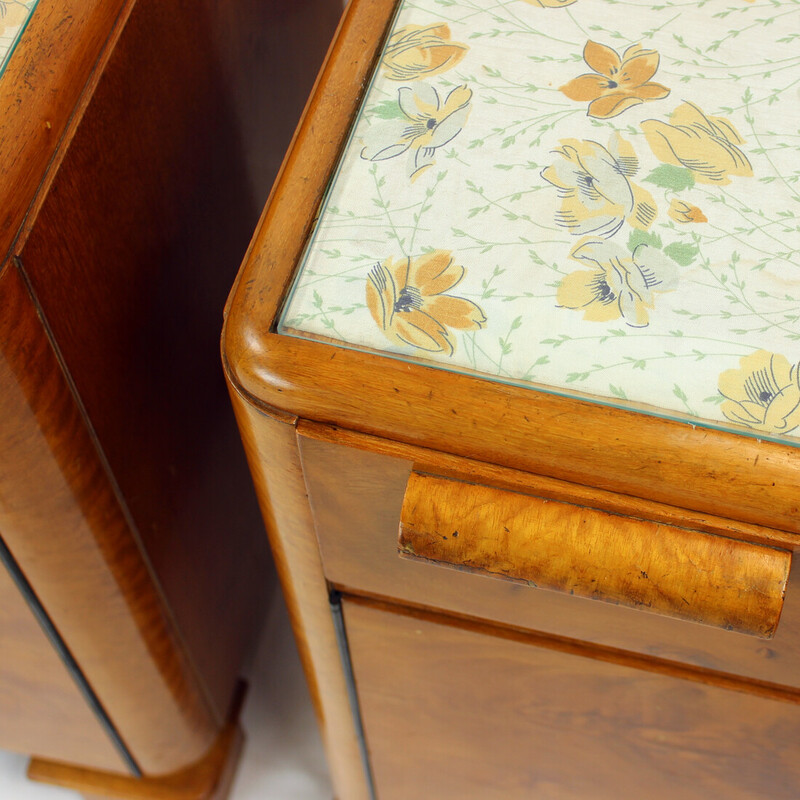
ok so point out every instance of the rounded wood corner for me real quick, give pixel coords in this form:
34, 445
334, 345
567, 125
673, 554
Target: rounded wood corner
629, 451
209, 778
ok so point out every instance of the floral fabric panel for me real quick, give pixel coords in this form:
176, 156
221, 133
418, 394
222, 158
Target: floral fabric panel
594, 197
14, 16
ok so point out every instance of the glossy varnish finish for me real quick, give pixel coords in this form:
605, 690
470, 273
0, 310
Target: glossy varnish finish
40, 87
271, 446
477, 687
357, 485
146, 255
589, 553
38, 697
208, 779
62, 521
452, 711
134, 160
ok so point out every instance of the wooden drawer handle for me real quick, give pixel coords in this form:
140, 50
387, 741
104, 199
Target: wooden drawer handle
655, 567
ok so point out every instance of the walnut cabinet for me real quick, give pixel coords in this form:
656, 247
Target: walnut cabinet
138, 141
510, 578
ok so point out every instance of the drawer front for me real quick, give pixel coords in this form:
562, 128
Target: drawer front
451, 712
358, 486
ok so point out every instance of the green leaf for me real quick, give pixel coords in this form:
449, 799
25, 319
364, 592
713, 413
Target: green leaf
617, 391
679, 393
682, 252
668, 176
387, 109
638, 237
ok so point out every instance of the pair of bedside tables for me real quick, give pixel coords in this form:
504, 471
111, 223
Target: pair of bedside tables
514, 356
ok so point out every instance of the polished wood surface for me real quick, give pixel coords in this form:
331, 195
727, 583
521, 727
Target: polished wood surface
210, 778
659, 569
62, 520
42, 83
469, 470
138, 141
133, 232
623, 451
357, 485
451, 712
271, 446
38, 698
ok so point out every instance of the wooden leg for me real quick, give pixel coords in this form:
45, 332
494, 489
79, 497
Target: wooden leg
208, 779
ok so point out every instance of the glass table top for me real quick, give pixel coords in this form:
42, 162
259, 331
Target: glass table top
597, 198
14, 16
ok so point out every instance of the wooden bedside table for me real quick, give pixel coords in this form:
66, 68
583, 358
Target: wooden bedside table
514, 355
134, 160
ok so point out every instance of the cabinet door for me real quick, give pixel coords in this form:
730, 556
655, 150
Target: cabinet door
454, 712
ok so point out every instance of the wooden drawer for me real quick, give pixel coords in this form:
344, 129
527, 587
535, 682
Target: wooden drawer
451, 712
358, 485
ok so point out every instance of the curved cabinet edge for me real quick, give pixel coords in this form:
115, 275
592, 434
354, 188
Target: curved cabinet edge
270, 444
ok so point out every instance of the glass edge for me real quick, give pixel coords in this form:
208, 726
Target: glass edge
597, 400
20, 34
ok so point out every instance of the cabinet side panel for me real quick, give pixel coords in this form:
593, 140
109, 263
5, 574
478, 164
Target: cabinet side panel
62, 523
41, 709
271, 447
143, 229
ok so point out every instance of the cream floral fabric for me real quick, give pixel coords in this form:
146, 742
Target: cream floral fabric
593, 197
13, 17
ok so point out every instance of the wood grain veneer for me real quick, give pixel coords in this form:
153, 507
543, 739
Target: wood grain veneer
62, 520
469, 706
357, 485
42, 83
588, 553
451, 711
210, 778
271, 446
138, 141
38, 697
131, 233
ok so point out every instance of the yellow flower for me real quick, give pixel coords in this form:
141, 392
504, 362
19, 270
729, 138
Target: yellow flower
619, 284
684, 212
407, 299
428, 124
551, 3
705, 145
763, 394
596, 195
417, 51
12, 14
617, 83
